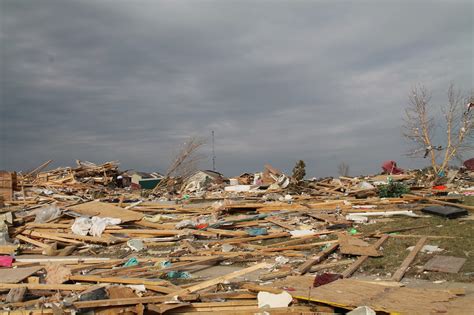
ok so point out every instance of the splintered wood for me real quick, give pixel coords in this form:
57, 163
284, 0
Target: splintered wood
88, 238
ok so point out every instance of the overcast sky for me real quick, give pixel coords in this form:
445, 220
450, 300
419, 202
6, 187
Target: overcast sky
278, 81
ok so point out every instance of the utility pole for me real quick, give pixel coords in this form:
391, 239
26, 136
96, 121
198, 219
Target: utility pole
213, 153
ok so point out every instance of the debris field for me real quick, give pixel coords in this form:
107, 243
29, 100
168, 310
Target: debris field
95, 239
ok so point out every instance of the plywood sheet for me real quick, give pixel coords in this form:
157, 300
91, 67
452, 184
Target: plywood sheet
448, 264
15, 275
349, 293
350, 245
102, 209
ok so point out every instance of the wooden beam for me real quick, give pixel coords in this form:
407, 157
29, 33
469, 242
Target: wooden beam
398, 275
41, 286
8, 249
302, 269
303, 246
253, 238
188, 245
130, 301
444, 203
353, 268
280, 223
32, 241
221, 279
257, 288
100, 279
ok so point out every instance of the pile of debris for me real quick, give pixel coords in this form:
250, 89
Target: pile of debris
70, 241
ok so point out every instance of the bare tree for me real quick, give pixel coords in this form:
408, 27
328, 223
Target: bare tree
186, 160
420, 124
299, 171
343, 169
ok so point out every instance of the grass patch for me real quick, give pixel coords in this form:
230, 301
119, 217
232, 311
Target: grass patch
394, 249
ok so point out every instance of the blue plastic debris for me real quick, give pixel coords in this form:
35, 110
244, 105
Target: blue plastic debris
165, 264
257, 231
131, 262
178, 275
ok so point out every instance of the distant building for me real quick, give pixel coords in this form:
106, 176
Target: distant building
142, 180
200, 180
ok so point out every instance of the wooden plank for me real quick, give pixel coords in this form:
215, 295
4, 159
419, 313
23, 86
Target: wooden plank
102, 209
252, 310
157, 299
227, 232
15, 275
444, 203
398, 275
100, 279
303, 246
40, 286
159, 288
221, 279
188, 245
258, 288
51, 237
150, 232
130, 301
352, 268
296, 241
215, 306
302, 269
330, 265
280, 223
448, 264
349, 293
19, 260
253, 238
350, 245
162, 308
8, 249
15, 295
32, 241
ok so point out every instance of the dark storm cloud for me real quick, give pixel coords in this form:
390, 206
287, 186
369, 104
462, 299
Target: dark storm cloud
277, 81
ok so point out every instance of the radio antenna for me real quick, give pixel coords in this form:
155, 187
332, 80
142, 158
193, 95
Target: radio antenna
213, 152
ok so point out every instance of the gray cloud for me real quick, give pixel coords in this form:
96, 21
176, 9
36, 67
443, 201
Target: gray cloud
277, 81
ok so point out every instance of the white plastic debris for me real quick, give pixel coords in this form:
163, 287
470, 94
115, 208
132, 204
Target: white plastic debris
281, 260
99, 225
429, 249
270, 300
358, 219
227, 248
135, 244
238, 188
283, 181
47, 213
365, 185
364, 207
81, 226
362, 310
94, 226
137, 287
359, 216
184, 224
301, 233
4, 236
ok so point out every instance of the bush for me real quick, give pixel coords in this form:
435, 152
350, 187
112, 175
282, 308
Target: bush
393, 190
